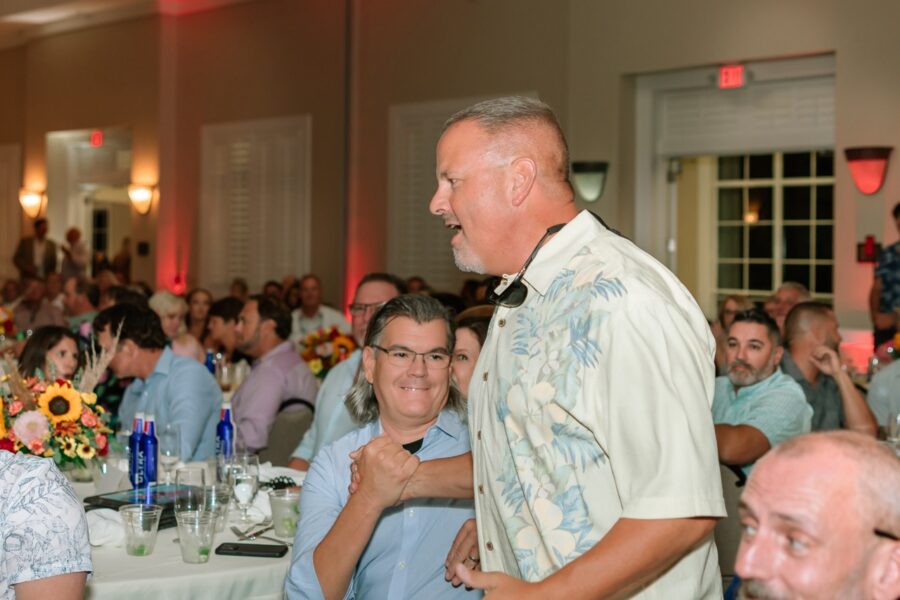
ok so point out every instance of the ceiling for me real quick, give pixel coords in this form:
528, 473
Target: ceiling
21, 20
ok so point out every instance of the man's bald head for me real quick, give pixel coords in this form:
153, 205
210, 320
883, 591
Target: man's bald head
805, 317
519, 125
876, 469
821, 519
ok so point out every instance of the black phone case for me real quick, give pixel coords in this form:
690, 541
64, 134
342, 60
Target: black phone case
261, 550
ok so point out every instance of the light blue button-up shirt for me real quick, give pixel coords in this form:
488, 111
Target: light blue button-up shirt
405, 557
332, 420
179, 390
775, 406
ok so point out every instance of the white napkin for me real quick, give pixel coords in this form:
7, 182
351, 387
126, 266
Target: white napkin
105, 527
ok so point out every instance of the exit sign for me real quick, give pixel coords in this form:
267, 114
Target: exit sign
731, 76
96, 138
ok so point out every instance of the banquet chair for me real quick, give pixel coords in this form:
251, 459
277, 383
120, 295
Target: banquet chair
728, 529
287, 431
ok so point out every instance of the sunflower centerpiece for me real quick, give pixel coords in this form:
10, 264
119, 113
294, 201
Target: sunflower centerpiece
53, 420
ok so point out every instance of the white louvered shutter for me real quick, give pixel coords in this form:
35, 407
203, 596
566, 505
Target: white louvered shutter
255, 201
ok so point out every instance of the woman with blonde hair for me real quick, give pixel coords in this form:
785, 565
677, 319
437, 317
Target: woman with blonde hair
171, 310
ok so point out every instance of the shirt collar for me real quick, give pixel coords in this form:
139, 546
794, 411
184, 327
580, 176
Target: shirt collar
448, 422
557, 252
759, 386
285, 346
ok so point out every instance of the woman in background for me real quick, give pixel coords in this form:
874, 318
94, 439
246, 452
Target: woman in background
171, 310
197, 319
53, 351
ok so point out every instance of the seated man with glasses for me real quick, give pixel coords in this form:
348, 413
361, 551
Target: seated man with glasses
331, 420
821, 518
364, 546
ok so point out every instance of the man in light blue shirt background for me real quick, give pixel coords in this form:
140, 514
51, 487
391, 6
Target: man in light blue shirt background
174, 389
332, 421
755, 406
367, 545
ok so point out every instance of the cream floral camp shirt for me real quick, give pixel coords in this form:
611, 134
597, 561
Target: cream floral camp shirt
590, 403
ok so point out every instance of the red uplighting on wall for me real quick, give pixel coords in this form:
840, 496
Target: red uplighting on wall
731, 77
868, 166
178, 285
96, 138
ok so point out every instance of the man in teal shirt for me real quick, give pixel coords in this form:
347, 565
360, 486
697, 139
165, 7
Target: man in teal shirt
756, 406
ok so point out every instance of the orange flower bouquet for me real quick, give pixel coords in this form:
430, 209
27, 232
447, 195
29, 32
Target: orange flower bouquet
325, 348
54, 421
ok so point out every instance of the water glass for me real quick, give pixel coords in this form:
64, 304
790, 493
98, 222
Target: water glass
141, 522
225, 376
285, 511
169, 449
190, 489
243, 475
218, 497
196, 530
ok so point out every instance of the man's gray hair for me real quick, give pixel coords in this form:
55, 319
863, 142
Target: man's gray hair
361, 402
501, 115
877, 474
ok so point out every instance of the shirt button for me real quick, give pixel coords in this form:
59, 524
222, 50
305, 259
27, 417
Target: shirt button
478, 435
484, 376
481, 489
489, 546
501, 322
411, 512
401, 564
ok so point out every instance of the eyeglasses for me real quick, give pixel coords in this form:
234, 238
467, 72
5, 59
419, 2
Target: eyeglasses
358, 308
516, 292
404, 357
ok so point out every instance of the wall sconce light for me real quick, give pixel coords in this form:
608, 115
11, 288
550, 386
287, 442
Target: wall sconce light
867, 166
589, 178
141, 197
868, 250
32, 202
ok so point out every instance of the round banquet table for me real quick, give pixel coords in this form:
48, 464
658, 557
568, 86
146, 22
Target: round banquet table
164, 575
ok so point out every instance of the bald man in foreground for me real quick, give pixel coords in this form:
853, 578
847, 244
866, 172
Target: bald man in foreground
593, 450
821, 517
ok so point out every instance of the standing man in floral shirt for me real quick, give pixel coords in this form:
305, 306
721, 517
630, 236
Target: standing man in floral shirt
884, 299
593, 464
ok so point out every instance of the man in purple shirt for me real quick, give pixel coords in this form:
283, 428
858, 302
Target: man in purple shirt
278, 373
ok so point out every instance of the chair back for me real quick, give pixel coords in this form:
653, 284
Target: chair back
728, 529
286, 432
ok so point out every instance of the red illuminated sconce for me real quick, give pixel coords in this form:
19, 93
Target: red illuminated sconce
867, 166
868, 251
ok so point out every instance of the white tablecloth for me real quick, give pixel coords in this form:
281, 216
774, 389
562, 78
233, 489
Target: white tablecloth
163, 575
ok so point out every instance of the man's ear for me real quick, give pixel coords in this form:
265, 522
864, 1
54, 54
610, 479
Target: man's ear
886, 572
777, 353
524, 172
369, 363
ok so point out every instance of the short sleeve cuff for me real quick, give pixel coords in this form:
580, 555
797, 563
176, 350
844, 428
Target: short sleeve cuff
675, 508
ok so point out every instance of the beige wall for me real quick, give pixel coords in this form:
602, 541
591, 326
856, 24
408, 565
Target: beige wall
410, 51
261, 60
12, 100
611, 41
104, 76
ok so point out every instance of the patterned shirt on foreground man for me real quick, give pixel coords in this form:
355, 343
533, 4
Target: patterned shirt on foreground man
44, 535
595, 468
